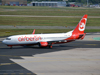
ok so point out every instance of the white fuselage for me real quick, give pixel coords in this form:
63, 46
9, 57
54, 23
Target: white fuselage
35, 38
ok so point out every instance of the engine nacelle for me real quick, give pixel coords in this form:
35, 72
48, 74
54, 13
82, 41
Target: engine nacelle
43, 44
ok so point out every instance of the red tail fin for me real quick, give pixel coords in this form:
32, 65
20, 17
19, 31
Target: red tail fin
81, 25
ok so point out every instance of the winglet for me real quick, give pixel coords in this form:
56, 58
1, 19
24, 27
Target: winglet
33, 31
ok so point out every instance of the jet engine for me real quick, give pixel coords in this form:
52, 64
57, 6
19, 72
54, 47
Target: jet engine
43, 44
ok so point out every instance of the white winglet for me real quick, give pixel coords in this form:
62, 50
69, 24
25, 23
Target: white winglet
33, 31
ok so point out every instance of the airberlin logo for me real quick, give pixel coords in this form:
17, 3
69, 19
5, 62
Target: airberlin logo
82, 24
25, 38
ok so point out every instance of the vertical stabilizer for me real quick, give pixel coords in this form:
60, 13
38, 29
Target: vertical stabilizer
81, 25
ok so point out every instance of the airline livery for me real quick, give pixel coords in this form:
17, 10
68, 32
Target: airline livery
47, 40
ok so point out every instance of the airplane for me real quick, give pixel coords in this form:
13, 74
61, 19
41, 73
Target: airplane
47, 40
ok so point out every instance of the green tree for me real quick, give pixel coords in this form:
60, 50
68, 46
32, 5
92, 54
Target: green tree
79, 1
94, 1
85, 1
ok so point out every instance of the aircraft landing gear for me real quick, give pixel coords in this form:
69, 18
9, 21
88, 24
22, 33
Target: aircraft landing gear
50, 46
10, 46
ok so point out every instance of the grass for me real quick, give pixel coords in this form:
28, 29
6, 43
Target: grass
8, 32
48, 11
46, 21
92, 30
38, 21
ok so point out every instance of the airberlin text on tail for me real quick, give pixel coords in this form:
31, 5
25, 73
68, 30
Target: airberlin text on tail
81, 25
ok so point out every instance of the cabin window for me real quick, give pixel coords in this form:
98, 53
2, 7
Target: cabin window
8, 38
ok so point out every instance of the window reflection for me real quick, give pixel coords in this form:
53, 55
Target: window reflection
8, 38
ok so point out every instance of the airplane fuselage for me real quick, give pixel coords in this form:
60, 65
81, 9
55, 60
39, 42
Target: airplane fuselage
33, 39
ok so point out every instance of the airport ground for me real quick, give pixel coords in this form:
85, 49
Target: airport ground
75, 58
